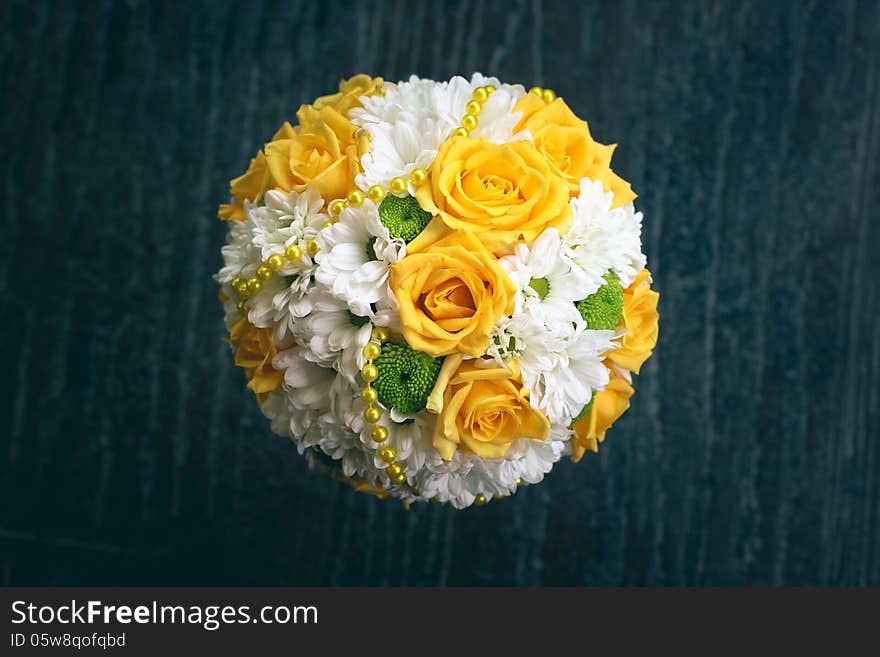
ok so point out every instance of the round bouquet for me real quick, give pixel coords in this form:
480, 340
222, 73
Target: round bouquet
437, 289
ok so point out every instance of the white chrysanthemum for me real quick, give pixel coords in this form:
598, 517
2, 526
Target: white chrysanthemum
412, 119
560, 370
548, 282
601, 238
238, 253
333, 336
526, 339
284, 220
560, 359
287, 219
561, 390
354, 259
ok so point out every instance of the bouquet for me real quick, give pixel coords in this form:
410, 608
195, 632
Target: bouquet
437, 289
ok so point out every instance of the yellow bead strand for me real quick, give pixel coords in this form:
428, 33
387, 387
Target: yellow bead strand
246, 288
547, 95
469, 121
373, 414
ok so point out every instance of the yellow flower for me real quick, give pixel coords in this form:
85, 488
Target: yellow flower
641, 321
501, 192
349, 93
565, 141
451, 293
324, 152
253, 183
608, 405
482, 409
254, 351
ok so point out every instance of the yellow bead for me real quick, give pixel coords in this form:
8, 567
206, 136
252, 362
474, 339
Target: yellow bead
394, 469
293, 252
275, 262
480, 500
372, 350
372, 414
549, 95
369, 395
264, 273
490, 88
418, 177
459, 132
474, 107
355, 198
235, 282
376, 193
254, 285
387, 454
240, 305
369, 372
537, 91
469, 122
380, 333
312, 247
519, 481
481, 94
397, 186
398, 478
326, 224
336, 207
379, 434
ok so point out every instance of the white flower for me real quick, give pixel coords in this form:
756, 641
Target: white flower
563, 388
287, 219
239, 251
332, 336
412, 119
308, 385
354, 259
525, 338
284, 220
548, 282
601, 238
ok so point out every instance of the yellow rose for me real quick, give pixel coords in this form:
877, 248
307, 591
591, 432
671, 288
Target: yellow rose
451, 293
502, 192
482, 409
253, 183
254, 351
322, 155
641, 321
324, 152
608, 405
350, 91
565, 141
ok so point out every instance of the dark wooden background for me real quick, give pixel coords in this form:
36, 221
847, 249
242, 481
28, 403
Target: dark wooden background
132, 453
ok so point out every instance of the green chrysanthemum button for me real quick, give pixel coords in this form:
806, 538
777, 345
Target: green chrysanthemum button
406, 377
603, 309
403, 216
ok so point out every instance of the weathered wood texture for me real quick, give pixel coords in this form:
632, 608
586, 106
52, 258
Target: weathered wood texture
133, 454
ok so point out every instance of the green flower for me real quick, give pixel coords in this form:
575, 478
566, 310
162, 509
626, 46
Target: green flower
403, 216
406, 377
604, 308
